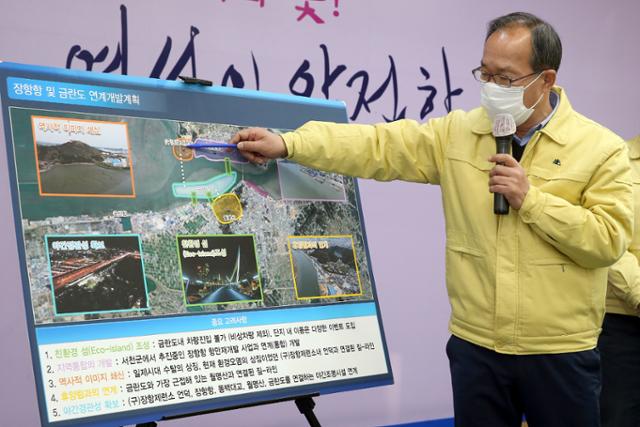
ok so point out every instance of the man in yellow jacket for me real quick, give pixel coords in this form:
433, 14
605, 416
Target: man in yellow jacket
527, 289
619, 342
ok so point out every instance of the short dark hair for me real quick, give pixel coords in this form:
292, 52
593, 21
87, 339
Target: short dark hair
546, 48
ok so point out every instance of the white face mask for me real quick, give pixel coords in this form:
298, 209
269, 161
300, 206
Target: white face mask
510, 100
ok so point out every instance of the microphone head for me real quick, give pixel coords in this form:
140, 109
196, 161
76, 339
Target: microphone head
504, 125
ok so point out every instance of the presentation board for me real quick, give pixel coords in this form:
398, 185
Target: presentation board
162, 280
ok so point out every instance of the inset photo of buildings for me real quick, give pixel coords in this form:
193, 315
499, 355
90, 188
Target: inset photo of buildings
96, 273
324, 267
219, 269
84, 158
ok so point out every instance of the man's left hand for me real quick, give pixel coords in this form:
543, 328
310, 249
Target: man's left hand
509, 179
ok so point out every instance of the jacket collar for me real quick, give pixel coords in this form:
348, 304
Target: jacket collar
555, 129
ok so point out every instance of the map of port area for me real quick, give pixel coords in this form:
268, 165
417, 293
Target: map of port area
164, 274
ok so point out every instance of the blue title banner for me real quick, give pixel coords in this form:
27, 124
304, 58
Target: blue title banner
79, 94
171, 325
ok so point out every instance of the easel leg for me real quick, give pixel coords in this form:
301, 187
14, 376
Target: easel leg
305, 406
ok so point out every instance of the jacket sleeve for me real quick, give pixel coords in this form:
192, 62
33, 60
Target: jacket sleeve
403, 149
595, 233
624, 280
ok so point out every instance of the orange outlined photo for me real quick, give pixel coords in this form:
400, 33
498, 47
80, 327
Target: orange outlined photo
82, 158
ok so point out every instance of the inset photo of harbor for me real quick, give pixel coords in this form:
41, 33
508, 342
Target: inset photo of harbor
96, 273
324, 267
83, 158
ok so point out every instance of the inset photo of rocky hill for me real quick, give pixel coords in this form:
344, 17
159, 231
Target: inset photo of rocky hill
83, 158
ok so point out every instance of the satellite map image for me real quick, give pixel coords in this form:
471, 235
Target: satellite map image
122, 219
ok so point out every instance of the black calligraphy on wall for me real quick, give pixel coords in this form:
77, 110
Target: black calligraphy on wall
310, 78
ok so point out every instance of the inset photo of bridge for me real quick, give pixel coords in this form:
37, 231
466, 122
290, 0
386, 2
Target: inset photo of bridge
96, 274
219, 269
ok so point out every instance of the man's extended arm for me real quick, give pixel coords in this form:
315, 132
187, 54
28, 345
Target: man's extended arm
403, 149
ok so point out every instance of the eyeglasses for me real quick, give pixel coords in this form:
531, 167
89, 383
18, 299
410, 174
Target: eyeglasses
501, 80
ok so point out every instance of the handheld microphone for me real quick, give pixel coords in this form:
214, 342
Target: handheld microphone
504, 126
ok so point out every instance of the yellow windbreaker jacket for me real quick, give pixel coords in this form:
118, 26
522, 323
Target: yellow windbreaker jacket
530, 282
623, 295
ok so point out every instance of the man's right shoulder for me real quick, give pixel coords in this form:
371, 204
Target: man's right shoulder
474, 121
